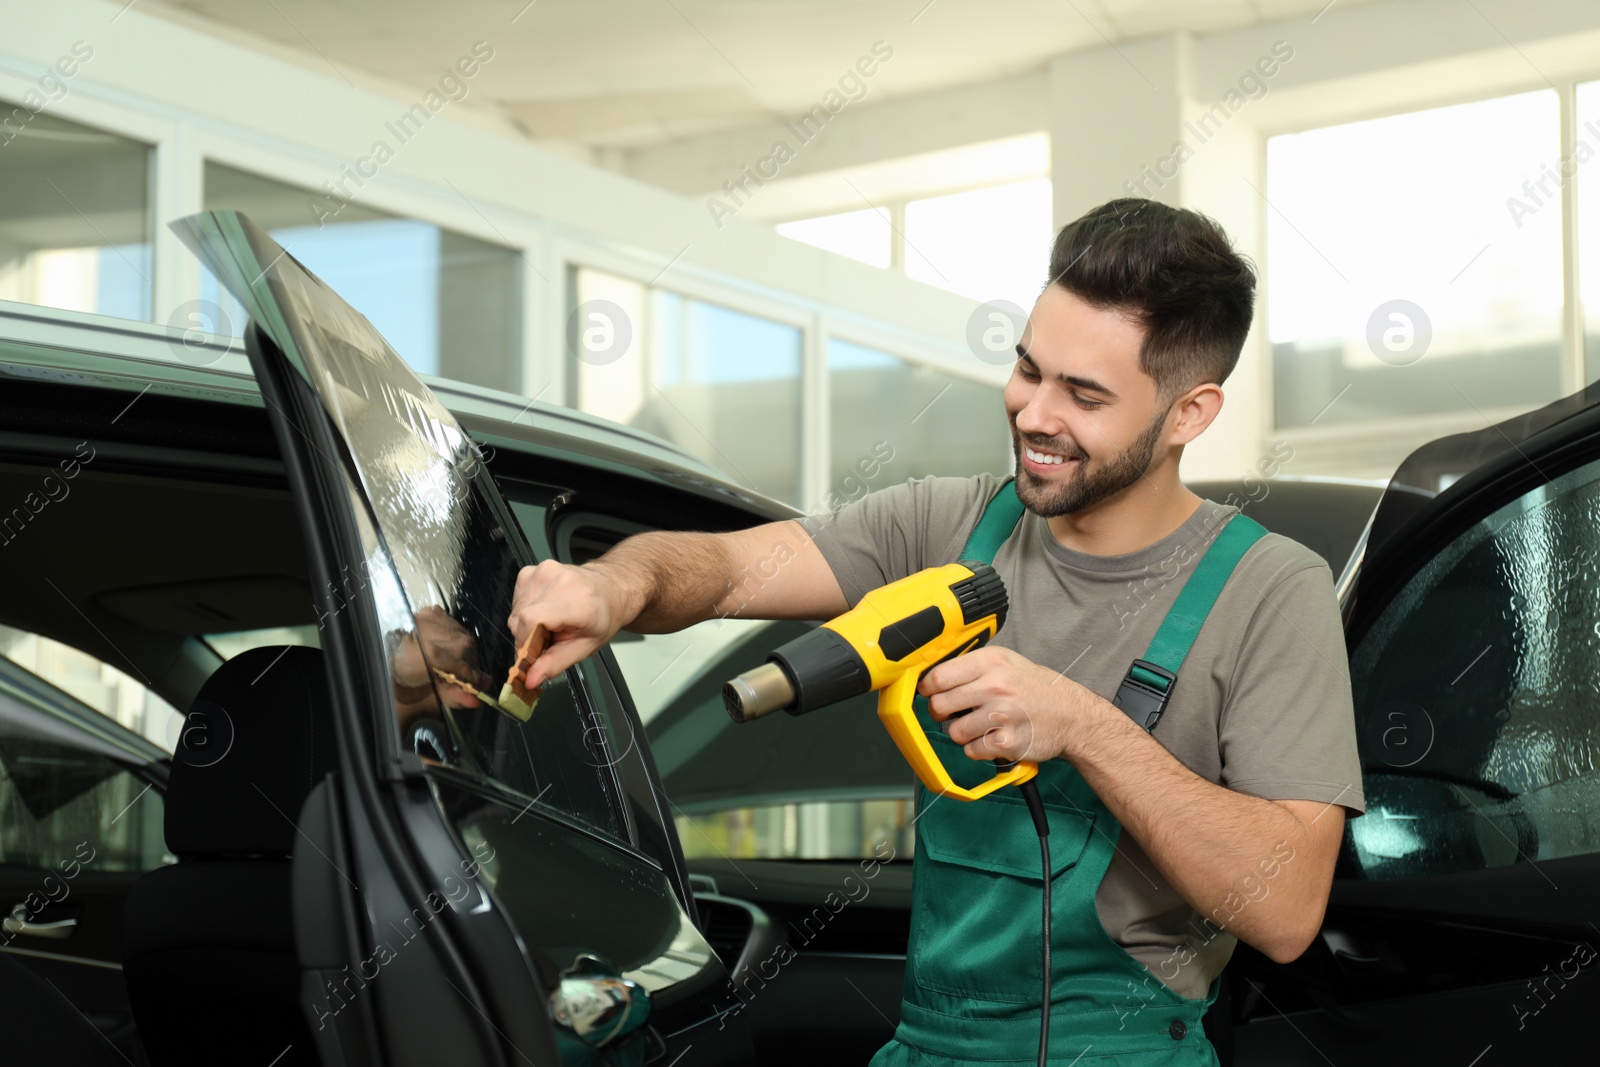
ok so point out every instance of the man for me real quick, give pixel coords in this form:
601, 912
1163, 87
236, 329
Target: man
1223, 820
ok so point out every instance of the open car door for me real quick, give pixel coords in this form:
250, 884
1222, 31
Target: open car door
473, 889
1462, 925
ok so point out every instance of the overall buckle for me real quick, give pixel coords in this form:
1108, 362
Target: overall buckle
1144, 692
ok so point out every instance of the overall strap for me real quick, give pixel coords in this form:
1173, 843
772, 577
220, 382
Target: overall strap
1148, 685
1000, 517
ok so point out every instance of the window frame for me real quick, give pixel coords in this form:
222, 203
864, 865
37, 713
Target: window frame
717, 296
1341, 445
130, 126
273, 169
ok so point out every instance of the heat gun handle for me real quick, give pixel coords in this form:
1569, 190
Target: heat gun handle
899, 717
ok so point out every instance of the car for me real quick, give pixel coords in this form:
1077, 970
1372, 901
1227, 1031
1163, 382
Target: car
1325, 514
348, 872
629, 874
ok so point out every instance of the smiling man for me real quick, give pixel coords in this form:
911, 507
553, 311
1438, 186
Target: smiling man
1178, 673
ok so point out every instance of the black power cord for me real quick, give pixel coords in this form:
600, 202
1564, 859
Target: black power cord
1030, 793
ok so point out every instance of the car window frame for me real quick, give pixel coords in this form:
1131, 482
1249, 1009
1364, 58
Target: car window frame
599, 680
375, 787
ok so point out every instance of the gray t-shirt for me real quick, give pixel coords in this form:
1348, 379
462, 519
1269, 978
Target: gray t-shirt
1262, 705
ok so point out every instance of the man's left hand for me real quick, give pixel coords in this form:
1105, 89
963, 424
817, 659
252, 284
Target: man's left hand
1019, 710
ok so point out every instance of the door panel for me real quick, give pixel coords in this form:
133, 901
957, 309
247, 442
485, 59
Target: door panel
1474, 1026
80, 820
823, 980
85, 964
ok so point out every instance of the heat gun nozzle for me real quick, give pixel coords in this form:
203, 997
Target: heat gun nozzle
758, 692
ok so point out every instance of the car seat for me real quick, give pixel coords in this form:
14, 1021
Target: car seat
208, 942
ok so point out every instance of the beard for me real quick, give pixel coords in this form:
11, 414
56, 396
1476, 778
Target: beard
1089, 484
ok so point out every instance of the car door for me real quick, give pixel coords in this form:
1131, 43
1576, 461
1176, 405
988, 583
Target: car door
1462, 923
80, 820
797, 830
504, 850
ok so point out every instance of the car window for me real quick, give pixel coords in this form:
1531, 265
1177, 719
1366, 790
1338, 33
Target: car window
114, 694
557, 759
1475, 695
440, 552
659, 667
828, 785
682, 674
67, 794
59, 802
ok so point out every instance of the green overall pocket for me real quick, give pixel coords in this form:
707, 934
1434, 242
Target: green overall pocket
976, 925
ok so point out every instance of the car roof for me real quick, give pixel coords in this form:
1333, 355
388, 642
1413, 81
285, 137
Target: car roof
174, 527
47, 344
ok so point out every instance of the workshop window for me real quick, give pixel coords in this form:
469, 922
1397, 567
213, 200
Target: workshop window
74, 218
449, 304
1584, 168
891, 420
721, 383
864, 235
1414, 264
988, 244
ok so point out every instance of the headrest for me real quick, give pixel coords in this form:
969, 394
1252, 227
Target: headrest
257, 738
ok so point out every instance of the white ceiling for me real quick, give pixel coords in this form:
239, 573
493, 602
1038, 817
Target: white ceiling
621, 74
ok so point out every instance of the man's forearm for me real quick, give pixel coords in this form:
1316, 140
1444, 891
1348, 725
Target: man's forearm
663, 581
1243, 862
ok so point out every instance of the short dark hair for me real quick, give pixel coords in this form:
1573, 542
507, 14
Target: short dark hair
1171, 270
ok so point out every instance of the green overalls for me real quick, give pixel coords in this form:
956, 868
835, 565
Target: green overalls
972, 982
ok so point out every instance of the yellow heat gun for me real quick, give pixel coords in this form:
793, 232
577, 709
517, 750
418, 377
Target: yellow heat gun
887, 642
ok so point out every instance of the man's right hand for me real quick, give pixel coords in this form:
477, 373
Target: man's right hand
661, 582
579, 607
